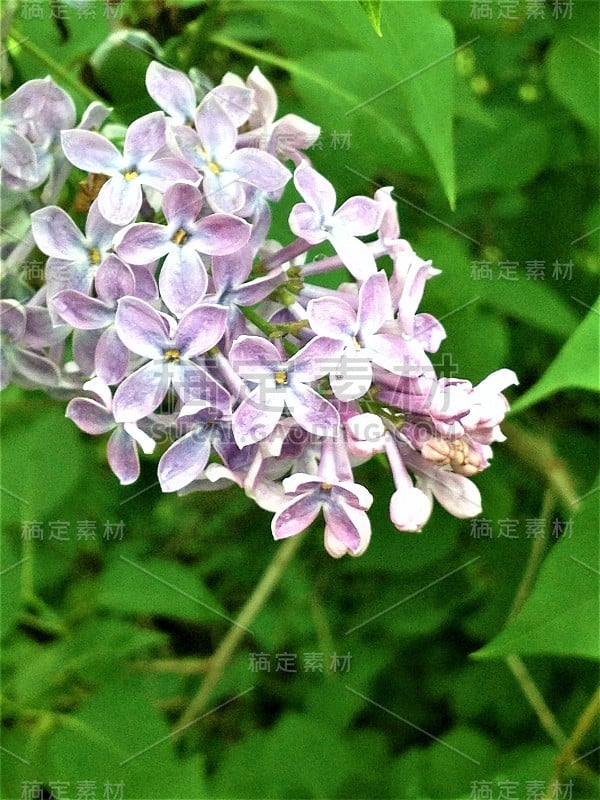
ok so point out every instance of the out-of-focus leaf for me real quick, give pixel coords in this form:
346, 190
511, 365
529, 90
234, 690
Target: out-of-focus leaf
126, 53
561, 615
372, 9
505, 157
157, 587
575, 367
572, 66
42, 459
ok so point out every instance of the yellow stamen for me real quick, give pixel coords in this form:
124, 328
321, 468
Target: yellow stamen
214, 168
326, 486
179, 237
130, 174
281, 378
172, 355
95, 256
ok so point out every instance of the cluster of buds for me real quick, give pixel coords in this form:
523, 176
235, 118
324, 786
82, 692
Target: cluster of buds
174, 320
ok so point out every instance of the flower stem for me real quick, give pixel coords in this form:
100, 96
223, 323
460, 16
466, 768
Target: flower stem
270, 578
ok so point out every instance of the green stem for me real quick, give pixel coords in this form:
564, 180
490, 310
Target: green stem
228, 646
266, 328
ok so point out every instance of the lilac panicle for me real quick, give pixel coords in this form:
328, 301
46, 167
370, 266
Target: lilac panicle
194, 326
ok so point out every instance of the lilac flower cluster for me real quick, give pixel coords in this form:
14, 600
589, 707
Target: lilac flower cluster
173, 320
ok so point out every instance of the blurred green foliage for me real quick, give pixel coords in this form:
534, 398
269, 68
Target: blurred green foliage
484, 117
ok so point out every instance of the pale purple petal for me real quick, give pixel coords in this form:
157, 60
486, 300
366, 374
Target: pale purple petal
90, 416
184, 461
429, 332
98, 229
163, 172
114, 280
12, 319
216, 130
141, 328
232, 270
296, 516
84, 349
316, 359
315, 190
82, 311
145, 283
254, 291
141, 393
200, 390
332, 317
355, 255
182, 280
259, 169
122, 455
144, 137
93, 116
224, 192
374, 303
18, 157
236, 100
353, 376
306, 223
35, 368
120, 200
56, 234
221, 234
254, 420
311, 411
200, 328
91, 152
40, 330
111, 357
144, 242
181, 204
171, 90
253, 357
347, 529
358, 216
5, 369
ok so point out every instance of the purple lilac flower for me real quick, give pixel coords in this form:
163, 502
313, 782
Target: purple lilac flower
114, 280
74, 256
183, 279
316, 220
31, 119
282, 384
169, 348
18, 357
96, 418
226, 171
120, 198
347, 526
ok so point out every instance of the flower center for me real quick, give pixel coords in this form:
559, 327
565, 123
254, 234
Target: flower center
130, 174
172, 355
214, 168
281, 377
356, 343
326, 487
179, 237
95, 256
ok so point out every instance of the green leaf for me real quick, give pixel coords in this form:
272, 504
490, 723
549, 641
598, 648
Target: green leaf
372, 9
45, 456
560, 617
575, 367
126, 53
505, 157
157, 587
572, 65
412, 67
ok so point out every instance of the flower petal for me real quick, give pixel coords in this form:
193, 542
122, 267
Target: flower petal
332, 317
141, 328
355, 254
182, 280
171, 90
200, 328
258, 168
254, 420
91, 152
114, 280
317, 358
144, 137
295, 516
141, 393
311, 411
122, 455
144, 242
315, 189
111, 357
90, 416
253, 358
185, 460
358, 216
56, 234
374, 303
221, 234
82, 311
120, 200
